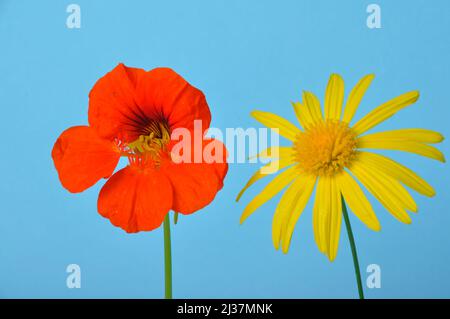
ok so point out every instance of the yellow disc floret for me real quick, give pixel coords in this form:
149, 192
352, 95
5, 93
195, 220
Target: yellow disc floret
325, 149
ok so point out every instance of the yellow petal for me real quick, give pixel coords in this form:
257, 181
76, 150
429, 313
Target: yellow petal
381, 189
273, 121
399, 172
260, 173
308, 113
355, 97
385, 111
273, 188
335, 219
334, 96
302, 113
398, 145
288, 204
394, 187
305, 186
284, 208
313, 104
357, 200
275, 152
321, 212
410, 134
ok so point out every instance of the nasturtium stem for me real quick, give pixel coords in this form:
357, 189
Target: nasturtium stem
167, 258
353, 248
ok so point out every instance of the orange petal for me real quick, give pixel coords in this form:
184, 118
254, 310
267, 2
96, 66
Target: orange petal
135, 200
165, 92
112, 108
124, 101
81, 158
196, 184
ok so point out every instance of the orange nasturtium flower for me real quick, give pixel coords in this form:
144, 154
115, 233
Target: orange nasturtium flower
328, 155
132, 113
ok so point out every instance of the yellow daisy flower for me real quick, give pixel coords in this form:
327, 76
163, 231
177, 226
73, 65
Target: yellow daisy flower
329, 154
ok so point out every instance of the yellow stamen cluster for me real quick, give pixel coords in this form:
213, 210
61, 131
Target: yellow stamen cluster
325, 149
150, 144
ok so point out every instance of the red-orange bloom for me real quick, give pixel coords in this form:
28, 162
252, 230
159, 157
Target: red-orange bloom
132, 113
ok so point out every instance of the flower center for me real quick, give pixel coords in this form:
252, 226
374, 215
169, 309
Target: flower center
326, 148
151, 144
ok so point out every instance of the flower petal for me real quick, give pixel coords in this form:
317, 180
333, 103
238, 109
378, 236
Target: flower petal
135, 200
355, 97
335, 220
260, 173
313, 104
357, 200
402, 195
399, 172
284, 208
124, 101
410, 134
385, 111
304, 187
82, 158
196, 184
334, 97
112, 108
167, 93
274, 187
302, 114
308, 113
275, 152
382, 188
273, 121
289, 204
399, 145
321, 214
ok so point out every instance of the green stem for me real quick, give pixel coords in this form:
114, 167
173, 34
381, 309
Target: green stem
353, 247
167, 258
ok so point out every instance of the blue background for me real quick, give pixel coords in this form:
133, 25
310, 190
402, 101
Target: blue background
244, 55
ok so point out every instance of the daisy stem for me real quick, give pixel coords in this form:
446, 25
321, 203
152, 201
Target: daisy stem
353, 248
167, 258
